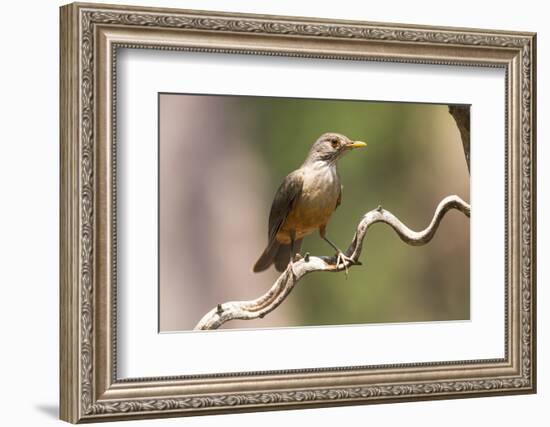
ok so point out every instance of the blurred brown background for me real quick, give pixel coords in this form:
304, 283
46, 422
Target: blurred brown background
221, 161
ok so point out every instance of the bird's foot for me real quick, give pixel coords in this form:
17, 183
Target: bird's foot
291, 267
297, 257
344, 260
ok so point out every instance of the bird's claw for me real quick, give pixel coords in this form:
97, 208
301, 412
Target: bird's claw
344, 260
291, 267
297, 257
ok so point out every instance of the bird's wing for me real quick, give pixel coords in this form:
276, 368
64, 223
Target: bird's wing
339, 200
283, 202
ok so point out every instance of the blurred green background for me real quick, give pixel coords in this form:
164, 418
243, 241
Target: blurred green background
222, 159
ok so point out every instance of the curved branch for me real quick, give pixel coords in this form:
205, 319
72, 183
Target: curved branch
259, 307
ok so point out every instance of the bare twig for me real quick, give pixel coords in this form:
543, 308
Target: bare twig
282, 287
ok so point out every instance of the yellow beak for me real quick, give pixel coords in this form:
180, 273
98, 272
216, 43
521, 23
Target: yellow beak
357, 144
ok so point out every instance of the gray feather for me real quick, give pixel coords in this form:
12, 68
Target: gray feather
266, 258
282, 257
284, 200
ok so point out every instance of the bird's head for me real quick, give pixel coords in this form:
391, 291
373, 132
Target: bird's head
331, 146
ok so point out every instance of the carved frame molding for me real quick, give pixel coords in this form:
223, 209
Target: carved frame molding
90, 37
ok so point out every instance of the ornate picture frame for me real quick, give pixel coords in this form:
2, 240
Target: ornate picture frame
90, 37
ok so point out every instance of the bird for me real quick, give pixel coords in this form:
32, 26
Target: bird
304, 203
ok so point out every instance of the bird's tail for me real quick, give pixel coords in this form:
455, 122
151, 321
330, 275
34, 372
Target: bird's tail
267, 257
278, 254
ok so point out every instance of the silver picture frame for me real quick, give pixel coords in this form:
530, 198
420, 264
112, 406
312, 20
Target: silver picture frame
90, 37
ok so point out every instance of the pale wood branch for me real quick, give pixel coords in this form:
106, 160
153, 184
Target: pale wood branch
282, 287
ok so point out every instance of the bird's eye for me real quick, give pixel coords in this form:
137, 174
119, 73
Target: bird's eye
334, 143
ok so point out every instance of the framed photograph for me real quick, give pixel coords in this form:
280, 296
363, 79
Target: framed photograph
217, 167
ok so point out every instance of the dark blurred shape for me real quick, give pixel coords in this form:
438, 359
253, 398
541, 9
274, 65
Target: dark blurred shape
461, 114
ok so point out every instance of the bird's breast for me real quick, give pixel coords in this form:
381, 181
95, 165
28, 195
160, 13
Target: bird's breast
317, 201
